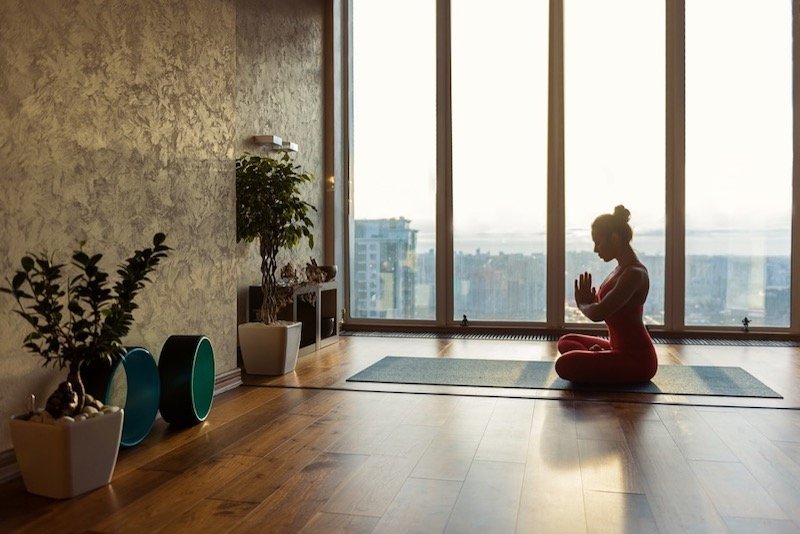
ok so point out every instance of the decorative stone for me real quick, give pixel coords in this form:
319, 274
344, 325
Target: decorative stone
92, 402
65, 420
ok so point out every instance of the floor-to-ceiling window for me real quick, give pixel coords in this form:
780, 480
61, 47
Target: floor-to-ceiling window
393, 259
738, 162
466, 200
614, 79
499, 146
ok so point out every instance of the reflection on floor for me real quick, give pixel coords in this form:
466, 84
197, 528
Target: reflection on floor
322, 456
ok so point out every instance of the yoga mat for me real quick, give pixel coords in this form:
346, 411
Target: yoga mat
670, 379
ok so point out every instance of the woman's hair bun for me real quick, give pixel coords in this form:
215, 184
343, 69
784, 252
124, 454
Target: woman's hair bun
622, 212
616, 222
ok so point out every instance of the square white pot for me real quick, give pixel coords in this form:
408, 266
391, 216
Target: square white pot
64, 460
270, 349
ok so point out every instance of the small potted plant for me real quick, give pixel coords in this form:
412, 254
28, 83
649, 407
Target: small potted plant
67, 449
271, 211
293, 278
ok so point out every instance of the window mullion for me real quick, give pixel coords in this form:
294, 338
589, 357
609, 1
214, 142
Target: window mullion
444, 174
555, 170
794, 324
674, 279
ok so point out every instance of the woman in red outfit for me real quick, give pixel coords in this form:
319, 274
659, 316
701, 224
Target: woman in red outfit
628, 355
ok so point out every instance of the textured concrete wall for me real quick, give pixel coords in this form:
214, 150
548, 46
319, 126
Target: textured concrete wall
279, 50
119, 119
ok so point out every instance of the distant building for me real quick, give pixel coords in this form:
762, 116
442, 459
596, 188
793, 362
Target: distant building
500, 287
776, 291
706, 290
383, 269
392, 281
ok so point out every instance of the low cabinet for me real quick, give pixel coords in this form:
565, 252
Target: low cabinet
314, 306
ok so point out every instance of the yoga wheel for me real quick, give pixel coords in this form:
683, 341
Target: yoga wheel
186, 366
136, 389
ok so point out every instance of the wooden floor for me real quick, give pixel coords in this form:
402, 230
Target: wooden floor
310, 452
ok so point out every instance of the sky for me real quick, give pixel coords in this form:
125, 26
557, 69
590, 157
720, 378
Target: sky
738, 119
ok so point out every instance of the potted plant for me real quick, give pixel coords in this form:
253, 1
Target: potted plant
66, 449
270, 210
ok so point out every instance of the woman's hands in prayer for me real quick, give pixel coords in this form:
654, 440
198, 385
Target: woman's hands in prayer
584, 292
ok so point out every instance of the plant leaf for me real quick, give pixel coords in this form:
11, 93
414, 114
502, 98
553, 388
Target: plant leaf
18, 280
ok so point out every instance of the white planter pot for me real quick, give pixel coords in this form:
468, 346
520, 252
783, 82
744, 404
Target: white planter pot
64, 460
269, 349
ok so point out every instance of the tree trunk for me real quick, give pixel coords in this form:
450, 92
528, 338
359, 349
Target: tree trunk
70, 396
74, 378
269, 283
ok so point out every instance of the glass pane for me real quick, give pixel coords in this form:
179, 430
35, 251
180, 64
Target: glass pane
738, 162
614, 135
499, 102
394, 159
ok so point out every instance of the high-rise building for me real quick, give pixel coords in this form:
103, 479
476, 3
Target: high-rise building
383, 268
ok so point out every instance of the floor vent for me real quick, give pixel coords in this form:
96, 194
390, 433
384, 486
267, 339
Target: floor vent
551, 337
726, 342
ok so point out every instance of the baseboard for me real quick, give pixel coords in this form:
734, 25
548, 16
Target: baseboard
222, 382
8, 466
227, 381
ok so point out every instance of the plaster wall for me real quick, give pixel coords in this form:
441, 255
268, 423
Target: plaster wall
280, 92
121, 119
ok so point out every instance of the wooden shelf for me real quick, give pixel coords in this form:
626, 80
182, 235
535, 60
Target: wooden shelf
317, 314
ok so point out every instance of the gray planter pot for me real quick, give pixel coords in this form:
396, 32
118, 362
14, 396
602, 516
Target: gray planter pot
62, 460
269, 349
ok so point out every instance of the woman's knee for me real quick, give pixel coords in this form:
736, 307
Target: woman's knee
565, 366
559, 366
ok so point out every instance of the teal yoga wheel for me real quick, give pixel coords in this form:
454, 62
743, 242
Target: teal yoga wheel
186, 367
140, 386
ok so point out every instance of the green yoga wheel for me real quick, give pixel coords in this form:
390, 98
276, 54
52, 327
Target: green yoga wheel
186, 367
138, 389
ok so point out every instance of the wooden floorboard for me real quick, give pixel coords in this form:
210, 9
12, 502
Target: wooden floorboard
310, 452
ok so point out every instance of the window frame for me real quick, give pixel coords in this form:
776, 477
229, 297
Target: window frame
675, 187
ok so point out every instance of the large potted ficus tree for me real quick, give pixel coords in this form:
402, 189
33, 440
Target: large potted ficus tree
270, 210
76, 320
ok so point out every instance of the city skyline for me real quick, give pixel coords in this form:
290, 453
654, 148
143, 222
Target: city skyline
728, 241
392, 279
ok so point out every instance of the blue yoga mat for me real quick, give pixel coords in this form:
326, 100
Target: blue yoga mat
670, 379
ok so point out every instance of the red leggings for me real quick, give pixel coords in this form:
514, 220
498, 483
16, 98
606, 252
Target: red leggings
607, 366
